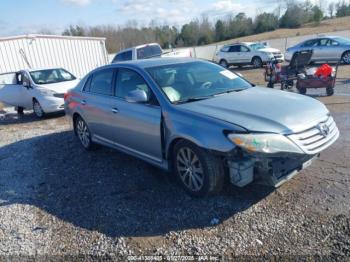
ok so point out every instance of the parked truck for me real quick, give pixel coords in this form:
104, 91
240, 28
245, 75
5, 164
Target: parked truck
146, 51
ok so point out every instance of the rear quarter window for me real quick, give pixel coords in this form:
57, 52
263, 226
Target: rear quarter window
125, 56
225, 49
149, 51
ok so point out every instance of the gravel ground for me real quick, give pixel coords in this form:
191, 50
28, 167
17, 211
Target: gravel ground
58, 200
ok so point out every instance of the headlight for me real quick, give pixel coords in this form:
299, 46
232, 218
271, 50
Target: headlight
265, 143
268, 55
46, 92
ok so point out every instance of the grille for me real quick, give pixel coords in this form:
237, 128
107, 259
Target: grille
59, 95
317, 138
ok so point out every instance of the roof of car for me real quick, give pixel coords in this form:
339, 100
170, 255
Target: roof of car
242, 43
42, 68
145, 63
327, 36
136, 47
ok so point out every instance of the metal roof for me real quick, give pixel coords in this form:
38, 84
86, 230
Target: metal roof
33, 36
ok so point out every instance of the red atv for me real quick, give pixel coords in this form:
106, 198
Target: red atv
298, 70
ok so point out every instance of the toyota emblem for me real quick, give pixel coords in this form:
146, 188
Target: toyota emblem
324, 129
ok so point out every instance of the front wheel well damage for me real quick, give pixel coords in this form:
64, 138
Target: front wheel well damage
170, 151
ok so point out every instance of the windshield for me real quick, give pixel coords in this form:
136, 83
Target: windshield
342, 40
195, 80
257, 46
149, 51
50, 76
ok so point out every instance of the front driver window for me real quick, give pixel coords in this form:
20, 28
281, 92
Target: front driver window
129, 80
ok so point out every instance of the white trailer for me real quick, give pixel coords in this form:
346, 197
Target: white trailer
77, 54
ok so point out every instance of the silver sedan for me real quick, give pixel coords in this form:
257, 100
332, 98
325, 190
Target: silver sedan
199, 120
325, 49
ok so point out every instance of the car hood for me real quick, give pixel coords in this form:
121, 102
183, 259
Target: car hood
61, 87
260, 109
269, 50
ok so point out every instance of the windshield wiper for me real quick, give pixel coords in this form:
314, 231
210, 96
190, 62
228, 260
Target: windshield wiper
230, 91
192, 99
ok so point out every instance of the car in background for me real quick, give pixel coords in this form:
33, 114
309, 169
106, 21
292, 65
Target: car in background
325, 49
39, 89
199, 120
148, 51
247, 53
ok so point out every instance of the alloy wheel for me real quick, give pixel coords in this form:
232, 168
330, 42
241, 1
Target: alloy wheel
346, 58
38, 109
190, 169
257, 63
83, 133
223, 63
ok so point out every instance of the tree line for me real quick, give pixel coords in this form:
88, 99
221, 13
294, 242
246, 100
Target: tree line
201, 31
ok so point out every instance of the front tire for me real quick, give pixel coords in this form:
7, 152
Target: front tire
200, 172
38, 110
330, 91
84, 135
302, 90
346, 58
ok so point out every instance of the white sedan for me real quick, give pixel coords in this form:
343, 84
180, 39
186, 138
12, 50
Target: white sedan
41, 90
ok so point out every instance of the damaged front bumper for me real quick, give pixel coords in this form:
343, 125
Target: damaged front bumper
271, 170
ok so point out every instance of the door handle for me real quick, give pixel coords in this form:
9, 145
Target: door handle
115, 110
83, 102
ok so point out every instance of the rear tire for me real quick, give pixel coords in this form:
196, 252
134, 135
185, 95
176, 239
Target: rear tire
345, 58
223, 63
200, 172
38, 110
83, 133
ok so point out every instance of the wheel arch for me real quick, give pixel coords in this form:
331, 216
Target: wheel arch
256, 56
171, 145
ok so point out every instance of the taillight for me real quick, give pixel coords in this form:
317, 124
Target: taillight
66, 95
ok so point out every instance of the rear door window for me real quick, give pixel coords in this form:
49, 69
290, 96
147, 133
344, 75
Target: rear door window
235, 48
101, 82
244, 48
9, 79
323, 42
310, 43
149, 51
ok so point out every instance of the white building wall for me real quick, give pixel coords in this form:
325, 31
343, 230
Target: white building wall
78, 55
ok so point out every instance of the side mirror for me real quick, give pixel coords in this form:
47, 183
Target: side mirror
137, 96
26, 84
